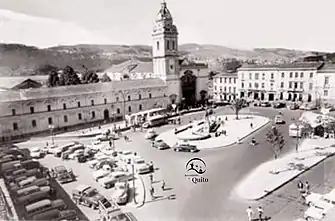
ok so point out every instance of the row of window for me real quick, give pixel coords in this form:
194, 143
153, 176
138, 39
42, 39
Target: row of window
50, 121
225, 89
296, 75
291, 85
32, 109
230, 80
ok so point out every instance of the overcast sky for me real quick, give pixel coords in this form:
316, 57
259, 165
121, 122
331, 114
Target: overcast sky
301, 24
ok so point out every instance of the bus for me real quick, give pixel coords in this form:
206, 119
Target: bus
140, 117
155, 121
43, 206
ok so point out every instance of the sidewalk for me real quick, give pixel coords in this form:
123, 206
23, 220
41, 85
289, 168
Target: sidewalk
235, 129
9, 210
274, 174
92, 131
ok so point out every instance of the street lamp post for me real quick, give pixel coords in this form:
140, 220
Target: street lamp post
133, 172
114, 127
124, 106
51, 127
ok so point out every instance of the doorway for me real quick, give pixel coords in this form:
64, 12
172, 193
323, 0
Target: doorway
188, 84
106, 114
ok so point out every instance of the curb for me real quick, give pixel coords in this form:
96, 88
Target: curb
144, 193
231, 144
8, 200
294, 177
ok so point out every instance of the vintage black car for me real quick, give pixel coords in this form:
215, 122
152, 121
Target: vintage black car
63, 175
185, 147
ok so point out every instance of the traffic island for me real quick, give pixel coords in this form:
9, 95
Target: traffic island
228, 132
274, 174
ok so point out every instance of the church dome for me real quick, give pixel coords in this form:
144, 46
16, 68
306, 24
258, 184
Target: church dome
164, 13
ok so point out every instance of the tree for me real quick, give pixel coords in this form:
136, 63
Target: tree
53, 80
276, 139
89, 77
69, 77
232, 65
105, 78
237, 106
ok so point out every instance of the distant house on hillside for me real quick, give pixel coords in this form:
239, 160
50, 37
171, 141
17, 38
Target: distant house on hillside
132, 69
19, 83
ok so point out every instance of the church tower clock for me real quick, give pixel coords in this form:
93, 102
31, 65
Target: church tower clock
165, 51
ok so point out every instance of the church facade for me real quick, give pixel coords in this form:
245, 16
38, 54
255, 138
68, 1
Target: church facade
187, 81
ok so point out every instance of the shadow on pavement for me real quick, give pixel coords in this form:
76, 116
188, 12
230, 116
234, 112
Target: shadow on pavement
160, 198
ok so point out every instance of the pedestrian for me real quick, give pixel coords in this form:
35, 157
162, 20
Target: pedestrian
307, 187
47, 144
151, 166
260, 213
250, 213
151, 178
163, 185
251, 125
152, 192
238, 140
110, 143
300, 186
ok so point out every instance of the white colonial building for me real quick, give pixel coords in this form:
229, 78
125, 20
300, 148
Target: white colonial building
28, 107
287, 82
225, 87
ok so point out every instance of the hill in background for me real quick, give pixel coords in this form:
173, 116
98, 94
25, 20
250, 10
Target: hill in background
22, 60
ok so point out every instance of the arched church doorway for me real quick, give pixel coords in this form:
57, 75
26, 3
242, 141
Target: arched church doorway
106, 114
188, 84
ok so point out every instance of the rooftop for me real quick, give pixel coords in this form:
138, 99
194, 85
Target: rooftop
10, 82
226, 74
305, 65
38, 93
327, 68
131, 66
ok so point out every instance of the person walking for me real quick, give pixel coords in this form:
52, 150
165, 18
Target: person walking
250, 213
251, 125
163, 185
307, 187
152, 192
151, 178
300, 186
260, 213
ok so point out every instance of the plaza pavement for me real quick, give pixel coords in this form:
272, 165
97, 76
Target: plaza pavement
235, 130
273, 174
225, 167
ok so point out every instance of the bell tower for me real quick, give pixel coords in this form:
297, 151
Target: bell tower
165, 50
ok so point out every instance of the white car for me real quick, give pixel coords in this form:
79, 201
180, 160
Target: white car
36, 152
140, 165
101, 173
151, 134
94, 162
126, 155
320, 201
110, 180
314, 214
75, 154
121, 192
52, 149
279, 119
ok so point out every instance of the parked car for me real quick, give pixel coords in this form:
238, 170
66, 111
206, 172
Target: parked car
126, 155
293, 106
140, 166
86, 195
308, 106
98, 158
185, 147
110, 180
151, 134
121, 193
314, 214
279, 105
22, 173
75, 154
279, 119
160, 144
36, 153
265, 104
101, 173
63, 175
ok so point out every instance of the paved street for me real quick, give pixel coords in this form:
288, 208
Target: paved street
225, 167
